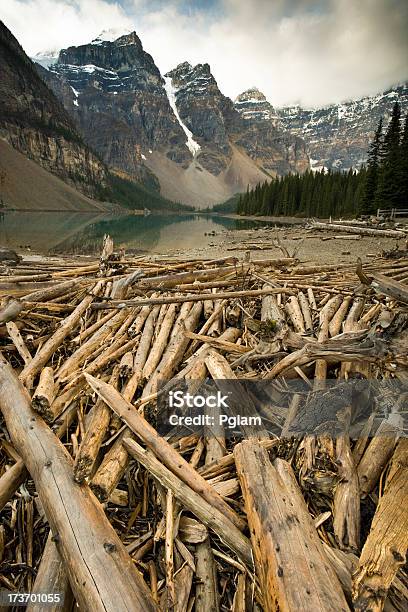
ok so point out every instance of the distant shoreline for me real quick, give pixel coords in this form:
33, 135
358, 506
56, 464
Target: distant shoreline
286, 220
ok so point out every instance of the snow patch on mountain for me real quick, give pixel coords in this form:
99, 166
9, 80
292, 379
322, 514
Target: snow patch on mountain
76, 94
171, 91
46, 58
110, 35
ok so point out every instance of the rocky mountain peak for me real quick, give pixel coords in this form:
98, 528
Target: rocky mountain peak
125, 54
193, 80
253, 105
112, 67
111, 35
250, 94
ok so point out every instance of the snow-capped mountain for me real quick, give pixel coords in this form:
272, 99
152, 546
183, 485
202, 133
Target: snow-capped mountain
179, 131
338, 135
110, 35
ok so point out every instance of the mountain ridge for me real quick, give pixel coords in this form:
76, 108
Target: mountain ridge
34, 122
133, 117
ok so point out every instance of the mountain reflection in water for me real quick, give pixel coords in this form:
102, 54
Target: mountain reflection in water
82, 233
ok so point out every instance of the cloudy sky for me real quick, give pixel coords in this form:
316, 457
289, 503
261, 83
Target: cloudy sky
295, 51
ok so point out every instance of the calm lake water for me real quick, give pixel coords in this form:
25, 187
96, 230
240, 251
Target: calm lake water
83, 233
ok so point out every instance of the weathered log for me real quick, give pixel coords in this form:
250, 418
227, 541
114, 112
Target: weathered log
210, 326
331, 351
98, 424
10, 310
18, 341
174, 353
52, 578
376, 456
295, 314
385, 549
289, 557
45, 394
115, 462
77, 358
362, 231
145, 341
394, 289
56, 290
100, 571
346, 506
238, 402
206, 579
338, 318
305, 308
10, 481
271, 311
160, 342
172, 280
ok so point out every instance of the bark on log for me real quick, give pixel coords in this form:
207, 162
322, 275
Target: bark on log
101, 573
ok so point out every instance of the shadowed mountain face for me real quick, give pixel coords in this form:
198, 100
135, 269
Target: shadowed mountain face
181, 128
35, 123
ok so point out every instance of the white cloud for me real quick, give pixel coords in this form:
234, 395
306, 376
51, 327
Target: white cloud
293, 50
50, 24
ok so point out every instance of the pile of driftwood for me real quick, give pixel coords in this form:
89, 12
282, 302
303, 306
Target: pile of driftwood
99, 506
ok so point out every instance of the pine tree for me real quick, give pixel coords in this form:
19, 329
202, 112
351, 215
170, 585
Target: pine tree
388, 182
371, 183
403, 167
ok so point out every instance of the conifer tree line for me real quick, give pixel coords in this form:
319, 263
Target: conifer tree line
382, 183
